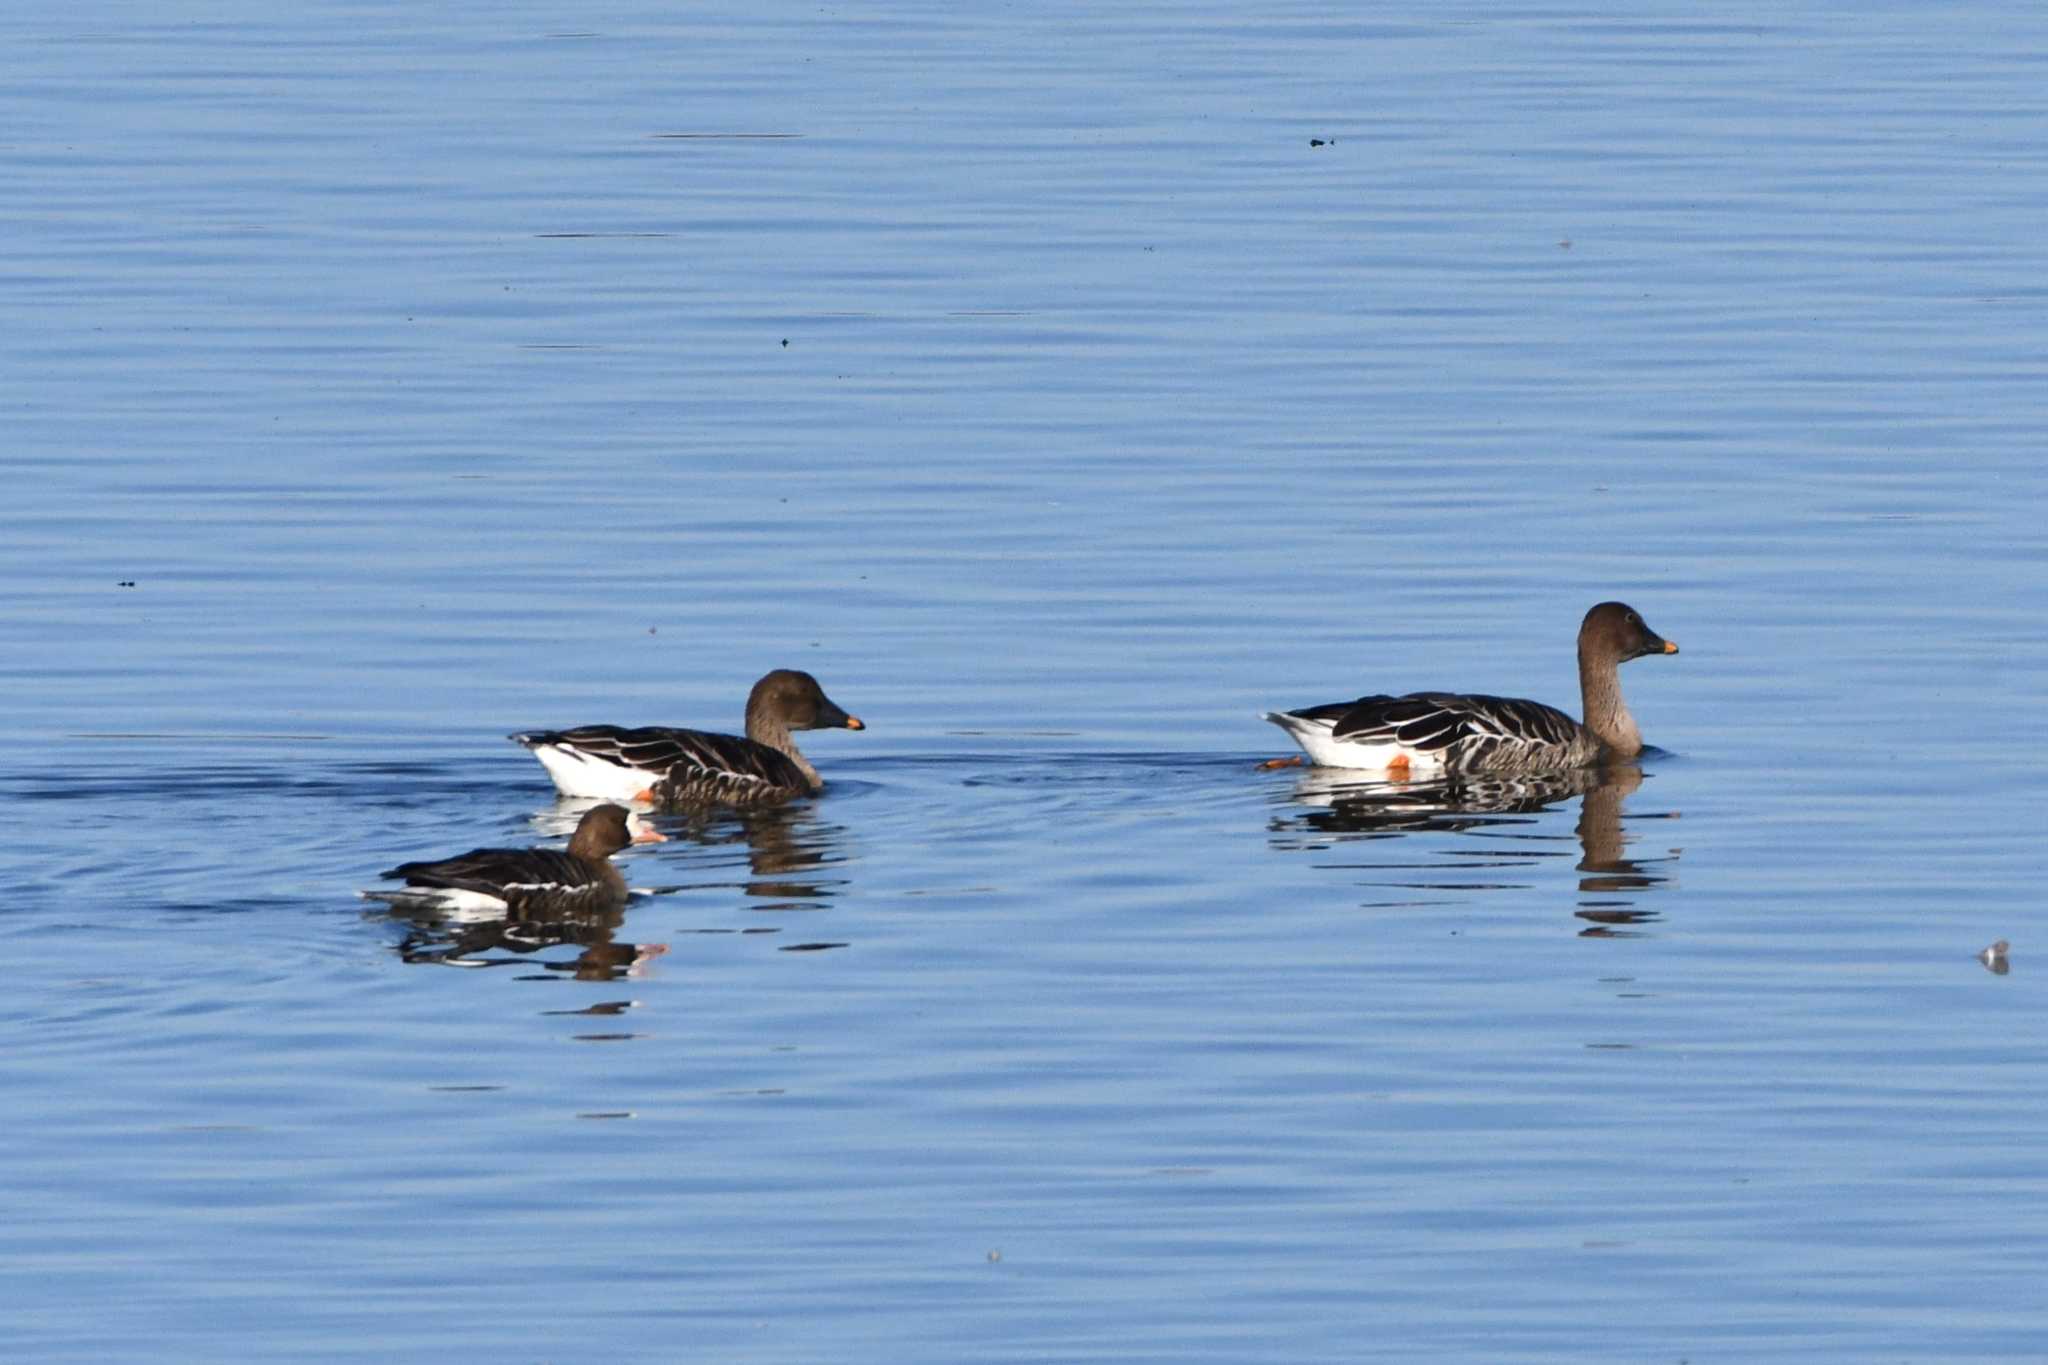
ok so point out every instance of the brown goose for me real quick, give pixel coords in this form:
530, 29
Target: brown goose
685, 767
524, 881
1454, 732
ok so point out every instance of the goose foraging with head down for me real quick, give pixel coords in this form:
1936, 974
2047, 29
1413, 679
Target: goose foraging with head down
1455, 732
694, 767
525, 881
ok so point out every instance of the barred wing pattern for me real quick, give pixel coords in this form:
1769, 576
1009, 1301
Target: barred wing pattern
524, 878
727, 770
684, 766
1463, 731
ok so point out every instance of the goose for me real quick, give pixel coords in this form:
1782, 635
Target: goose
524, 881
693, 767
1458, 732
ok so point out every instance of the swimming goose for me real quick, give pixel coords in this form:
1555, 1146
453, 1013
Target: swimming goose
1448, 731
692, 767
524, 881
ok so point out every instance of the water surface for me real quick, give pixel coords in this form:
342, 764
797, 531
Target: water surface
1063, 387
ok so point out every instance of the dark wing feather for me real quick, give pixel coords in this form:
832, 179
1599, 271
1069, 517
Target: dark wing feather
528, 880
726, 770
1336, 711
1515, 720
491, 870
1466, 729
1419, 720
660, 751
735, 759
649, 748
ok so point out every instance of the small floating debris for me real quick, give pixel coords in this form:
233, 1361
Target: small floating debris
1993, 958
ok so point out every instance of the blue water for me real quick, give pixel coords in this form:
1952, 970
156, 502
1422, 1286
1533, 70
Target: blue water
378, 382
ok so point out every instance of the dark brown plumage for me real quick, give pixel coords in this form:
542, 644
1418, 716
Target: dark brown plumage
697, 767
524, 880
1469, 732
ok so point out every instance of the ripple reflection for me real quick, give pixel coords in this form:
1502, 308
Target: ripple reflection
793, 859
1506, 813
457, 939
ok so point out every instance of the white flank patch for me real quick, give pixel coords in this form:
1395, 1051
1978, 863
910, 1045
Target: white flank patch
577, 774
1316, 741
454, 902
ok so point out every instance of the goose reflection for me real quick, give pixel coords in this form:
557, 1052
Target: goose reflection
1501, 810
455, 938
794, 860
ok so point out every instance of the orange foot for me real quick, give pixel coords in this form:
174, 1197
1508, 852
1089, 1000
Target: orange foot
1398, 764
1271, 763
